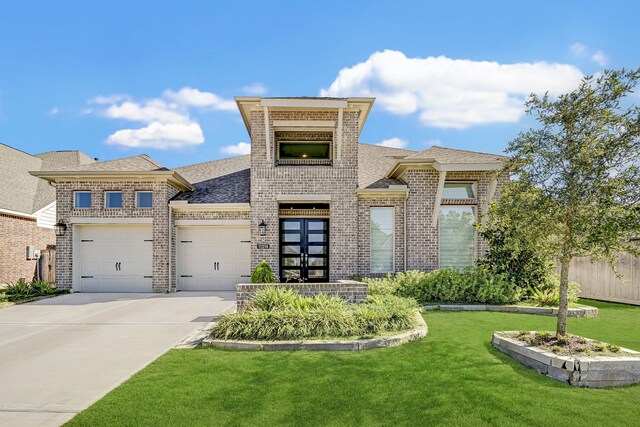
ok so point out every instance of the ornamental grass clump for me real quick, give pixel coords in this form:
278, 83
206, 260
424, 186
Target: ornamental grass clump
279, 313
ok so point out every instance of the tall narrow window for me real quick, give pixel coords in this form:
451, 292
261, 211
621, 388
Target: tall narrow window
457, 236
381, 233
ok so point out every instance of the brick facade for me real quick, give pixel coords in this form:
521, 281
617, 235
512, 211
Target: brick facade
339, 181
349, 290
162, 193
16, 233
422, 236
364, 234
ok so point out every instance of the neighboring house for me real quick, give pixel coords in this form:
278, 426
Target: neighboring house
28, 208
311, 200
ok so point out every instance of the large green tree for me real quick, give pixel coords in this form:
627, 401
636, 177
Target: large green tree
575, 177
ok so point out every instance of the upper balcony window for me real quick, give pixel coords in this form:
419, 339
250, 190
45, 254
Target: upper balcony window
304, 148
459, 190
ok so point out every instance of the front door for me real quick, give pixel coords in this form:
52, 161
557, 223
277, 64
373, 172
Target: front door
304, 250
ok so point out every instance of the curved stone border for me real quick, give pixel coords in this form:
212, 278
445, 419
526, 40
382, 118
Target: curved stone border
584, 311
326, 345
592, 371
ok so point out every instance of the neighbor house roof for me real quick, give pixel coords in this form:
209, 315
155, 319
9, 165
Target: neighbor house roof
22, 192
140, 167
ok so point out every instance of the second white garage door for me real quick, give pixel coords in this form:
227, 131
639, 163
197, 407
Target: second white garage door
213, 258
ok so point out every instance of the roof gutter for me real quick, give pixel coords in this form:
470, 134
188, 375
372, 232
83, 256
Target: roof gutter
173, 177
16, 213
400, 165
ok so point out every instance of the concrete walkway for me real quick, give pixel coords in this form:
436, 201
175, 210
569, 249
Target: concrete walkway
60, 355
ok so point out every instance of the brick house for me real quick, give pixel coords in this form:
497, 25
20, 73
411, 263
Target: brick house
310, 199
28, 208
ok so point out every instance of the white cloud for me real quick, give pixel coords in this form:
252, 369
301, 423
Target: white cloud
110, 99
451, 93
240, 149
154, 110
196, 98
580, 50
600, 58
393, 143
167, 119
53, 112
159, 135
255, 89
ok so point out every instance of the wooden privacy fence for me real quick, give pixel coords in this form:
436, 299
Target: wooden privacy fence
597, 280
47, 265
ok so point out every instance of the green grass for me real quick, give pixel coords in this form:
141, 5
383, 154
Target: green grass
452, 377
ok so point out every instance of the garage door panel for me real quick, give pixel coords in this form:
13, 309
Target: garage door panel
115, 258
213, 258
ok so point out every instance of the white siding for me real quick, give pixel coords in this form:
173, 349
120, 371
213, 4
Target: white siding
46, 217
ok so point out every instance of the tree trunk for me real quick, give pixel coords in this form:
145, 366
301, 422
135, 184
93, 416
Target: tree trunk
563, 309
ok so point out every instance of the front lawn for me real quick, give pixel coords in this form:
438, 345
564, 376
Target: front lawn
453, 376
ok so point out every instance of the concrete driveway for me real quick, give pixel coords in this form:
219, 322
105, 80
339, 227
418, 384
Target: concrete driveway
60, 355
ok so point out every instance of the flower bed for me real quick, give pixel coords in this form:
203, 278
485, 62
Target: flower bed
575, 360
277, 314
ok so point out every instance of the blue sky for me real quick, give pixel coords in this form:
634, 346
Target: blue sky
120, 78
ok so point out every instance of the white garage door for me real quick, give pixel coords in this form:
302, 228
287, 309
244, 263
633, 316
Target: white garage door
115, 258
213, 258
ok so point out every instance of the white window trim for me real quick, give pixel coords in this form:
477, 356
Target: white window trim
75, 199
138, 201
393, 243
474, 187
106, 198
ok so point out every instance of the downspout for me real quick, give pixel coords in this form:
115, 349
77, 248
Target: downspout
170, 252
405, 230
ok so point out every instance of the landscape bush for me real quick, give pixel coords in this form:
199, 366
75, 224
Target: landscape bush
283, 314
22, 290
263, 273
467, 286
548, 293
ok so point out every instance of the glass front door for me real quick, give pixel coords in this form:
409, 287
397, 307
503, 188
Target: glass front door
304, 250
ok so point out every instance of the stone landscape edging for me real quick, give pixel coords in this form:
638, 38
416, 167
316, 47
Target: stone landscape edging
325, 345
582, 371
584, 311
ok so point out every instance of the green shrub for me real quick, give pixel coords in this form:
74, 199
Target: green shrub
512, 252
18, 290
284, 314
548, 294
263, 273
39, 287
468, 286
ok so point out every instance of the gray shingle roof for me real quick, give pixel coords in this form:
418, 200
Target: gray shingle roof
454, 156
373, 163
23, 192
51, 160
137, 163
218, 181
